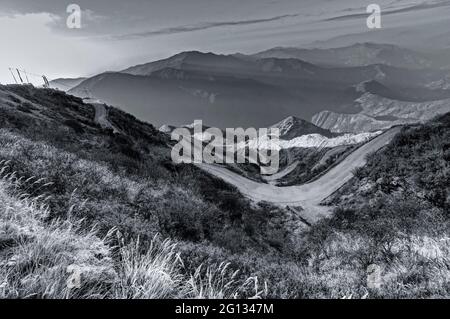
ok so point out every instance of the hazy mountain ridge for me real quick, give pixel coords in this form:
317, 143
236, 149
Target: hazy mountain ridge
356, 123
66, 84
360, 54
226, 90
222, 102
380, 113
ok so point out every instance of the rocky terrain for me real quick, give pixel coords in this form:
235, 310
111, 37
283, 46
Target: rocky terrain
380, 113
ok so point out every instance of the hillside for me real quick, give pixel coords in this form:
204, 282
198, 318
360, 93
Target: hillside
65, 84
126, 180
62, 174
395, 213
132, 168
416, 163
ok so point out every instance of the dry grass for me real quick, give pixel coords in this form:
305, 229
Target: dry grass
221, 282
36, 256
419, 267
155, 274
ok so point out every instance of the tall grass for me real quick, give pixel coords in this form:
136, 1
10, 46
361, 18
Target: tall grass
37, 255
221, 282
155, 274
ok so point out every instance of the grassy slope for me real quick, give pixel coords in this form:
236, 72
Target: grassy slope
124, 179
395, 213
128, 181
38, 259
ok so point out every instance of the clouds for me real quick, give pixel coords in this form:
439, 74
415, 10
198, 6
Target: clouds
117, 33
29, 43
138, 19
200, 26
395, 10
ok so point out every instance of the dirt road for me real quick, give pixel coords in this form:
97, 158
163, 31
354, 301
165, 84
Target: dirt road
307, 196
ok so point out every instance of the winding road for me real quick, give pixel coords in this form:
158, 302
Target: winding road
308, 196
286, 171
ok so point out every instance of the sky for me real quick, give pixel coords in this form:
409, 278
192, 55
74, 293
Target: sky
116, 34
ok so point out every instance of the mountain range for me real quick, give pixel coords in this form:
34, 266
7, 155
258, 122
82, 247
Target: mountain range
258, 90
359, 54
68, 184
65, 84
379, 112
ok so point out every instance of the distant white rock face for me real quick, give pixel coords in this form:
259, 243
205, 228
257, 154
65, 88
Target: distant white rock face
355, 123
286, 125
317, 140
374, 105
443, 84
305, 141
314, 141
284, 141
379, 113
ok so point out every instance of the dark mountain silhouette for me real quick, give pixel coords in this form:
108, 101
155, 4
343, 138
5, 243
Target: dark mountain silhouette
65, 84
228, 91
292, 127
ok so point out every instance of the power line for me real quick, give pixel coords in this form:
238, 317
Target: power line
40, 76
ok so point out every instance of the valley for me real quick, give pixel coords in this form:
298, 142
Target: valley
86, 178
310, 195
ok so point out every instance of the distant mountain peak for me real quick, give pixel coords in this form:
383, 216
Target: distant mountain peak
292, 127
187, 60
185, 55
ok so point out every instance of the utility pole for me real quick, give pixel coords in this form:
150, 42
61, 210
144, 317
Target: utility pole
46, 83
12, 73
20, 77
26, 75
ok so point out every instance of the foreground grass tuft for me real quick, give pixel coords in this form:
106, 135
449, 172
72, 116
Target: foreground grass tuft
38, 259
